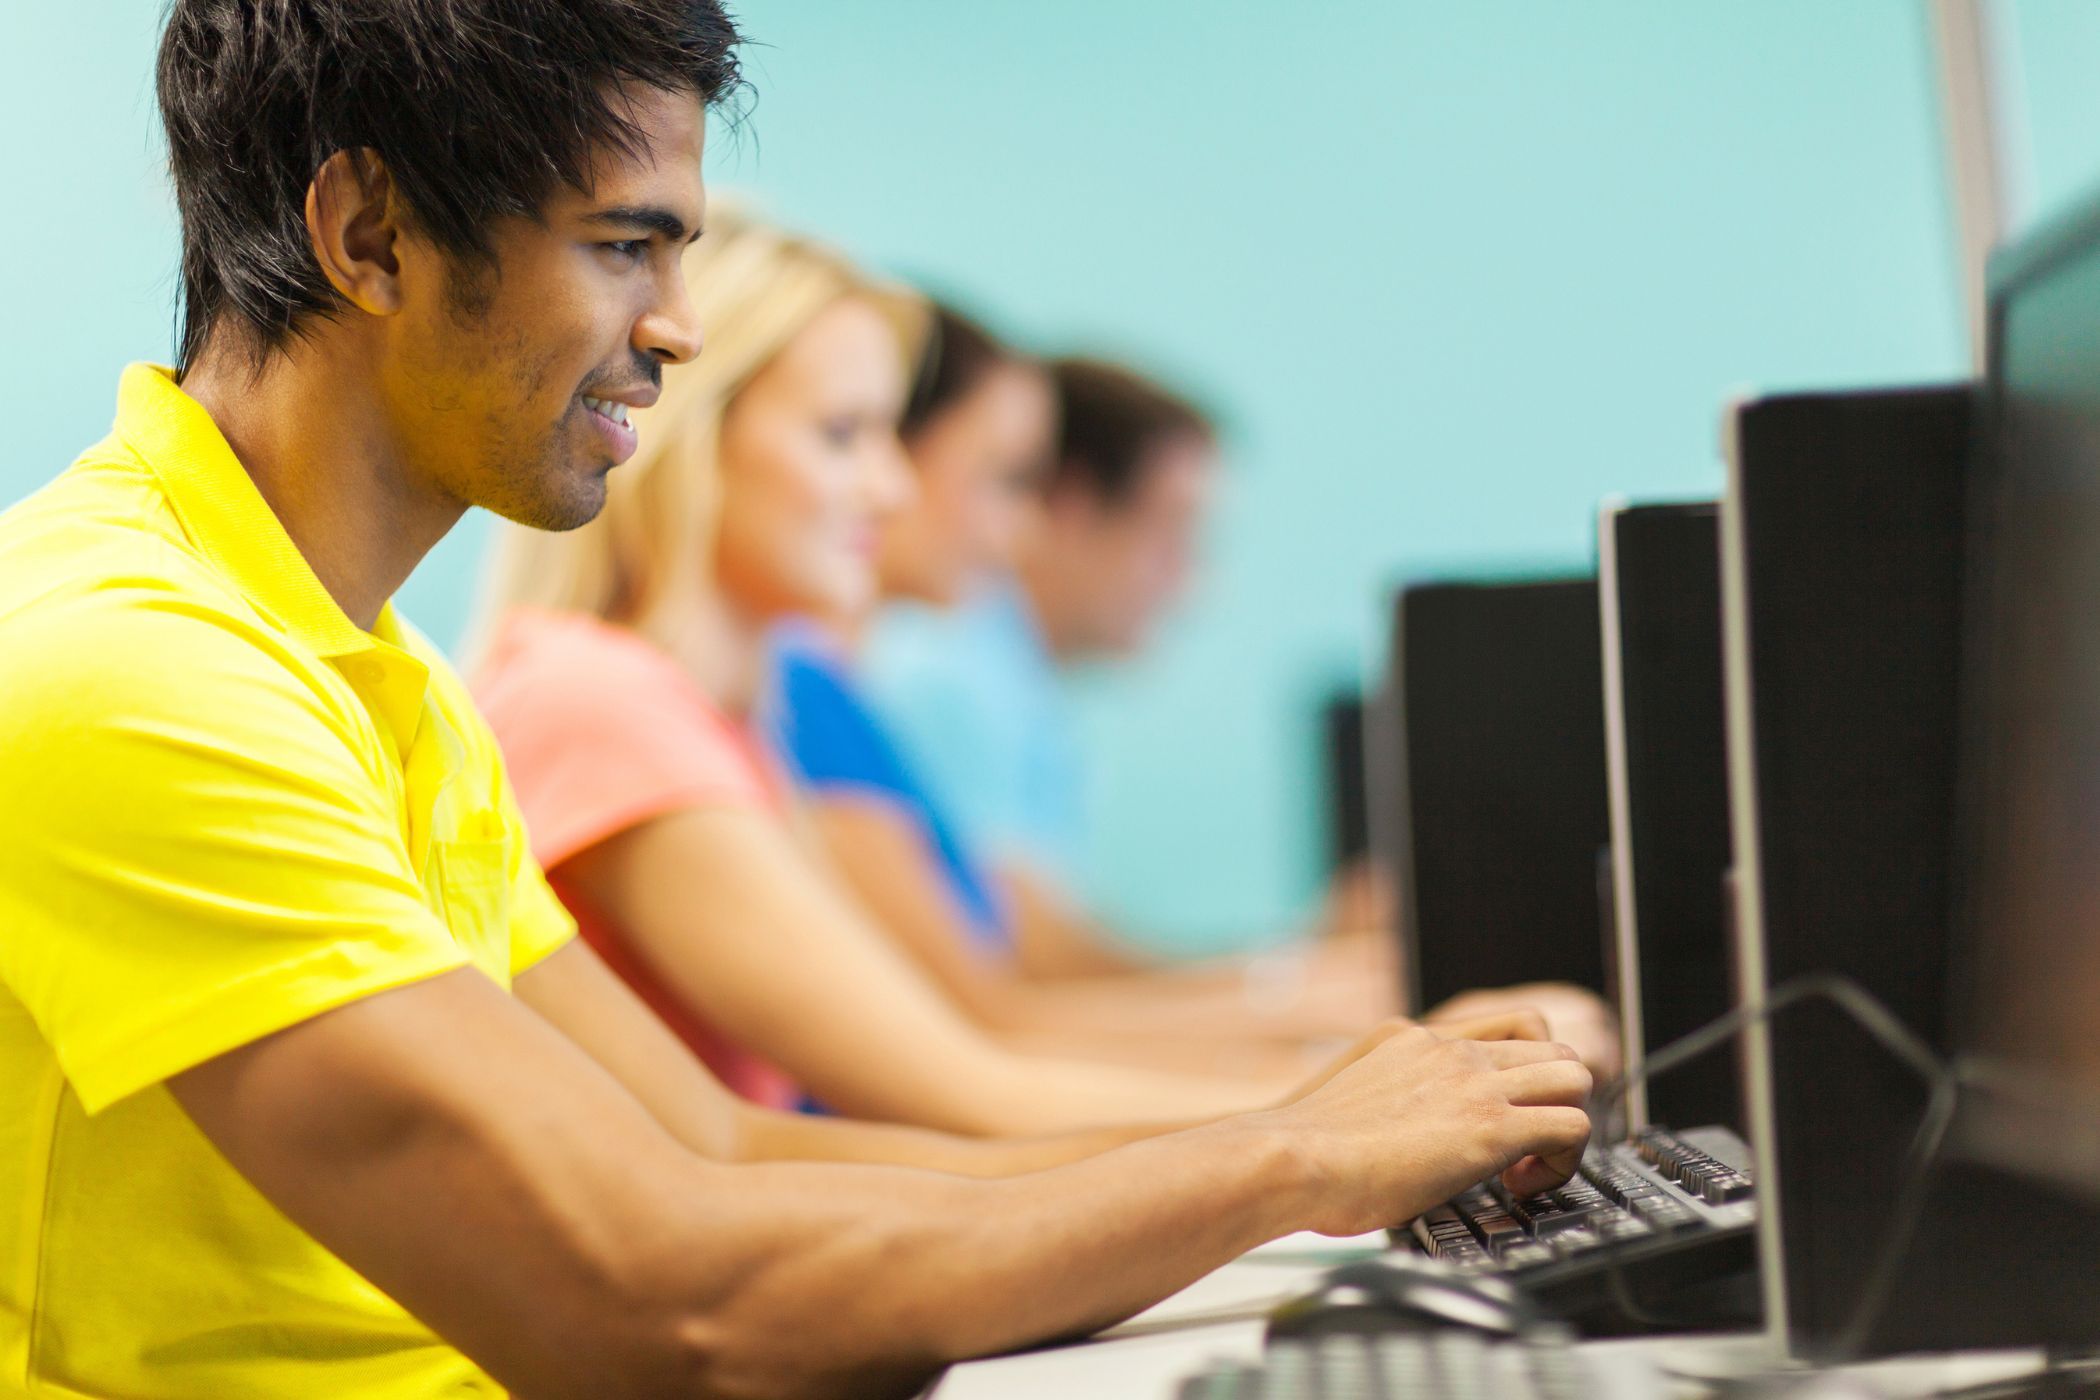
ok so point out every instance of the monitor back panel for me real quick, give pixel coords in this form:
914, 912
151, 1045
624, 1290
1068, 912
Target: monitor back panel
1844, 540
1348, 819
1669, 790
1500, 785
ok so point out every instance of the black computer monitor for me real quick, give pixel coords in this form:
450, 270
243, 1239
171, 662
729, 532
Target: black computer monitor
2027, 947
1491, 810
1659, 577
1842, 546
1347, 783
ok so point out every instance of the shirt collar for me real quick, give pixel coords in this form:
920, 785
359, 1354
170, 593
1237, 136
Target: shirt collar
219, 505
1014, 617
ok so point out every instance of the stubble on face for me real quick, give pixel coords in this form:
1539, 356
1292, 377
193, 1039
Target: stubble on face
526, 470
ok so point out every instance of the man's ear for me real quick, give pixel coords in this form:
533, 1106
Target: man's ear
353, 219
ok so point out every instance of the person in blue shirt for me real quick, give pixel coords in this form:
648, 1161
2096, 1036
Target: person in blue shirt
941, 750
980, 429
976, 692
834, 743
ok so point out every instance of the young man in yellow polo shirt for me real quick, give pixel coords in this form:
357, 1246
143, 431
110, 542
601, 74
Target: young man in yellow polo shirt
304, 1087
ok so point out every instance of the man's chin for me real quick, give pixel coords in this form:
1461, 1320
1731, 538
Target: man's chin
578, 504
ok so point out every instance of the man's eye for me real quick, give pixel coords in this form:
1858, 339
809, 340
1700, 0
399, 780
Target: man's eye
629, 248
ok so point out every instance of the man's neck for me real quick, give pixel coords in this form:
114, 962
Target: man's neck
308, 431
1039, 594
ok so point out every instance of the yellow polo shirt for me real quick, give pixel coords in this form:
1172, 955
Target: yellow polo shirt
224, 808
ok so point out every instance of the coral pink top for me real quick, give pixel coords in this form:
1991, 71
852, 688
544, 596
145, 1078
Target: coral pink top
602, 732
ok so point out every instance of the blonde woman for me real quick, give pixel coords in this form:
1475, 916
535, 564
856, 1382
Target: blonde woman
623, 664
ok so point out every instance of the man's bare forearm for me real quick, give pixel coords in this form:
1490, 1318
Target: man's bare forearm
767, 1136
901, 1271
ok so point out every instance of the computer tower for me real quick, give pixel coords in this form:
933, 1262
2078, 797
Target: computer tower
1659, 578
1490, 809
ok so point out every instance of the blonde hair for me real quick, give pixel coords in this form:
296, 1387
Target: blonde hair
644, 562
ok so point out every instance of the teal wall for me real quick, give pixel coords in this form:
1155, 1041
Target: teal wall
1454, 272
2053, 48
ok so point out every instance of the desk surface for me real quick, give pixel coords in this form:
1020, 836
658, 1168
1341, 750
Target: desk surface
1220, 1317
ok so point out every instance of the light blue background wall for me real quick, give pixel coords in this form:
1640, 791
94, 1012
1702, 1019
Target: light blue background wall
2053, 53
1454, 271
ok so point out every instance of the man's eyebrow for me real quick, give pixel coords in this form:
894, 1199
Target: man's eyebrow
645, 216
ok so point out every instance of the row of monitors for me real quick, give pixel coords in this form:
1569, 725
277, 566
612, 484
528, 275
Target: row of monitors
1847, 722
1736, 756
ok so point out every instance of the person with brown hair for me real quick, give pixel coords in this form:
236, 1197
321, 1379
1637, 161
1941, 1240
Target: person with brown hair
973, 696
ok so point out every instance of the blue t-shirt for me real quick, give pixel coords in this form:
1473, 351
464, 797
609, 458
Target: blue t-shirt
830, 738
979, 706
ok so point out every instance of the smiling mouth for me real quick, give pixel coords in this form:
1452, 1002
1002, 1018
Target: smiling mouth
607, 409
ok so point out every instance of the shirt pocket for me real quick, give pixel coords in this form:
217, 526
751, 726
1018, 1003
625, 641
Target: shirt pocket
474, 882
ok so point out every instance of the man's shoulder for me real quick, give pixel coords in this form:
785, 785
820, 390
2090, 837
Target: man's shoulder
100, 532
122, 630
912, 647
974, 668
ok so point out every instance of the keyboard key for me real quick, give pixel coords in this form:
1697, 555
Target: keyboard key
1525, 1253
1623, 1226
1498, 1233
1346, 1368
1461, 1360
1407, 1364
1720, 1190
1661, 1212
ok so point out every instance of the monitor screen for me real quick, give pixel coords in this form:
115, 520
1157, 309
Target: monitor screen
2030, 922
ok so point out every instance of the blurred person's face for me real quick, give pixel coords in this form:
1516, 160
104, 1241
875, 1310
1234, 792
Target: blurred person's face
509, 387
980, 464
811, 466
1120, 565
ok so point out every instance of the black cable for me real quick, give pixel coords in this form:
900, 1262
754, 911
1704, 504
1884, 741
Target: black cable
1887, 1030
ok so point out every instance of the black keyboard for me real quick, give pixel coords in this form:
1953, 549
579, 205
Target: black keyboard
1664, 1221
1544, 1365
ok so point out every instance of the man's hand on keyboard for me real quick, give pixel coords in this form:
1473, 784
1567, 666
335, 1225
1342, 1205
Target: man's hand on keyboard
1415, 1117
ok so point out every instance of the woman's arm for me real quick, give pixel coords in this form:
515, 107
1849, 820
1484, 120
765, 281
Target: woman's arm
1160, 1018
733, 918
582, 998
1230, 1008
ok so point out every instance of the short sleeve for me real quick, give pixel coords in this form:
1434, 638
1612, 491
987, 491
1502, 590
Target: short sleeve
825, 733
601, 734
194, 852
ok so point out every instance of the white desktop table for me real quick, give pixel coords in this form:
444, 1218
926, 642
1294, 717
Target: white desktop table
1220, 1317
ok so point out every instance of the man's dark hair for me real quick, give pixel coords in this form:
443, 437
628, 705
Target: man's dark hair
478, 109
959, 354
1112, 419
